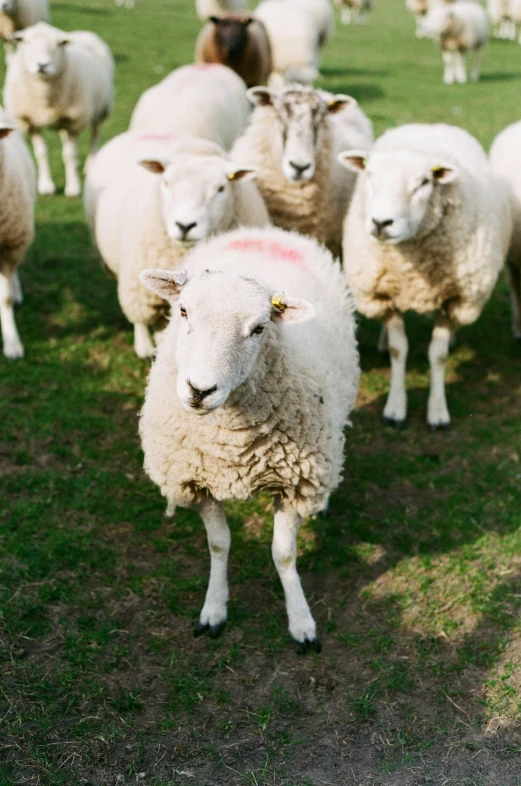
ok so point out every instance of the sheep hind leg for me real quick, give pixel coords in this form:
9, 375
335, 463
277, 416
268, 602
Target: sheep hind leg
214, 612
345, 15
284, 551
460, 67
514, 280
94, 144
395, 410
476, 66
18, 295
70, 162
12, 344
437, 410
45, 181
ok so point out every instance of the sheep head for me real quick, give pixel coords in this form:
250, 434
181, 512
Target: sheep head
42, 49
231, 34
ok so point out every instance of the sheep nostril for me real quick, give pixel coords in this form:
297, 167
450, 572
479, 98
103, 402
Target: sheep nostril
185, 228
380, 225
300, 168
199, 395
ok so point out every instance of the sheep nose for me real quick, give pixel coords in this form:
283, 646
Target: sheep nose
185, 228
42, 67
379, 226
300, 168
199, 395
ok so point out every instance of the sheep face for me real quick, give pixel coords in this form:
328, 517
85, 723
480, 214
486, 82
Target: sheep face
231, 35
221, 322
300, 116
402, 193
197, 195
43, 50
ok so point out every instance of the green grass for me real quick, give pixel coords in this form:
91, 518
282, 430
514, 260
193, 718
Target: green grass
415, 579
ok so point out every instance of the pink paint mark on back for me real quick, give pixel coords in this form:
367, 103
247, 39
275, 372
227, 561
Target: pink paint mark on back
272, 248
188, 75
158, 137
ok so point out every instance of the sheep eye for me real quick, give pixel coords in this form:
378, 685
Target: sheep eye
425, 181
183, 312
220, 189
258, 330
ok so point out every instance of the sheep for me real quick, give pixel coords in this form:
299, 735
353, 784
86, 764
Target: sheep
62, 81
17, 198
246, 395
360, 8
18, 14
207, 100
504, 159
428, 230
458, 28
323, 17
207, 8
239, 42
294, 138
185, 190
294, 38
503, 17
419, 9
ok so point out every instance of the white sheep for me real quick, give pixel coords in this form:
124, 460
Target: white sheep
428, 230
294, 138
359, 8
458, 28
323, 16
246, 395
503, 15
207, 8
62, 81
17, 198
294, 38
150, 215
505, 160
18, 14
206, 100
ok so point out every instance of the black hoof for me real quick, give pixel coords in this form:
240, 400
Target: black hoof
213, 630
302, 647
397, 424
433, 427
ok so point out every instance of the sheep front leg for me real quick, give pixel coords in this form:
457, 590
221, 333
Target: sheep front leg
284, 550
476, 66
345, 15
45, 181
514, 280
11, 340
437, 410
214, 614
449, 74
143, 344
70, 162
395, 410
460, 60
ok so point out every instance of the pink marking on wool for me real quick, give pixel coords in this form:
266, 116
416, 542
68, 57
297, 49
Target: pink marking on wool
158, 137
271, 247
187, 75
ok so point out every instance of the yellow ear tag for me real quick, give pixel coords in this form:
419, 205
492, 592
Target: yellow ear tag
277, 303
436, 170
231, 177
364, 162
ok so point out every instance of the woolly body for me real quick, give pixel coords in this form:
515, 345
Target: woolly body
207, 8
250, 59
18, 14
314, 207
207, 100
323, 17
458, 28
294, 38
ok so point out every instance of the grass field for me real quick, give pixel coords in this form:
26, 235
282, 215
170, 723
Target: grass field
414, 580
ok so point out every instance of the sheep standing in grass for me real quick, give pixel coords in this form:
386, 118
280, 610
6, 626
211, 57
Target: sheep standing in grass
502, 15
505, 159
294, 138
239, 42
19, 14
458, 29
294, 39
183, 192
62, 81
359, 8
207, 100
251, 390
207, 8
428, 231
17, 198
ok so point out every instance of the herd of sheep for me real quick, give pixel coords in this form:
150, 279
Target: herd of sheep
244, 223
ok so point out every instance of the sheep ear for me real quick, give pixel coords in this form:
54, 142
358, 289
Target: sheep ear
260, 96
214, 19
337, 103
290, 309
445, 173
64, 42
15, 38
157, 167
237, 172
355, 160
165, 283
6, 130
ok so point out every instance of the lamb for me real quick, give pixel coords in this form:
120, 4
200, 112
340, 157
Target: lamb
294, 38
239, 42
207, 100
246, 395
185, 190
294, 138
428, 230
207, 8
505, 161
458, 28
62, 81
17, 198
360, 8
18, 14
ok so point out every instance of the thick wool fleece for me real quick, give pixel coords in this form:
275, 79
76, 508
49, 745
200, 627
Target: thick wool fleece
282, 429
452, 268
314, 207
505, 159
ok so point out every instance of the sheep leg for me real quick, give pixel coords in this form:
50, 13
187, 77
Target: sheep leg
284, 551
476, 66
18, 295
383, 341
213, 615
70, 161
11, 340
345, 15
395, 410
45, 181
94, 144
460, 67
437, 410
143, 344
449, 70
514, 280
362, 17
